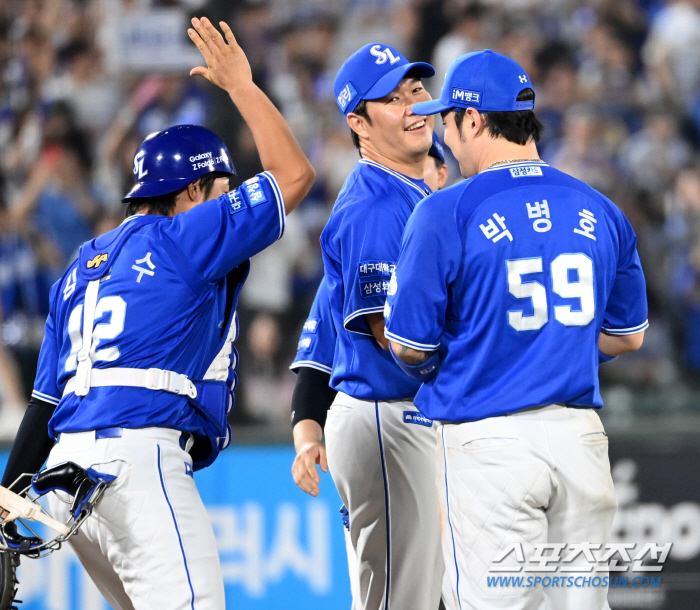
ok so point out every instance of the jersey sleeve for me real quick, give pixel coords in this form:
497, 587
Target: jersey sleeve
626, 311
46, 381
428, 263
318, 337
369, 241
218, 235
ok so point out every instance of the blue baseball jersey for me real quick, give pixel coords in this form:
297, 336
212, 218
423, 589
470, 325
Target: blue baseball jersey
317, 341
360, 245
167, 302
511, 275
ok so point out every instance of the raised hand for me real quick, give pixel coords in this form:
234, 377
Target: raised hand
227, 64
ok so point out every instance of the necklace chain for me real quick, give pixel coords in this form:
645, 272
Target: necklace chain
514, 161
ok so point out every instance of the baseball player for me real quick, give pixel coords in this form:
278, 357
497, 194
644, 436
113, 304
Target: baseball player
129, 380
510, 289
313, 395
313, 363
377, 443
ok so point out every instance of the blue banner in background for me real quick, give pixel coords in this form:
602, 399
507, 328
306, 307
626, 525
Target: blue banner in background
280, 548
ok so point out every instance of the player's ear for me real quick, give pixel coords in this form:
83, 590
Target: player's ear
443, 174
194, 190
475, 121
357, 123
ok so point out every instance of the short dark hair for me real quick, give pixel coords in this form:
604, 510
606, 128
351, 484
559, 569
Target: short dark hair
163, 204
519, 126
360, 110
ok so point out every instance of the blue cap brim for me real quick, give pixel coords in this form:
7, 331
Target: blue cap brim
387, 83
153, 189
430, 107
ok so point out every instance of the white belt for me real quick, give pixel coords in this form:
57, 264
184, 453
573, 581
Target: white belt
152, 379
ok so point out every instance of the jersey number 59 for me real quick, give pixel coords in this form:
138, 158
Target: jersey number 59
562, 284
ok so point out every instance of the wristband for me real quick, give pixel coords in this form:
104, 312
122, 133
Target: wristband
423, 371
603, 358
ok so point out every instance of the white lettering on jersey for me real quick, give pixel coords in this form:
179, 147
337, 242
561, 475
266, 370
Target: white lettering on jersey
139, 172
69, 288
147, 260
382, 56
492, 232
540, 211
587, 224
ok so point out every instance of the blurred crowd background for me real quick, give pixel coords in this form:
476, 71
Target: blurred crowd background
82, 82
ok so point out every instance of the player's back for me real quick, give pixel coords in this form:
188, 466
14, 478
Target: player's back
162, 303
539, 263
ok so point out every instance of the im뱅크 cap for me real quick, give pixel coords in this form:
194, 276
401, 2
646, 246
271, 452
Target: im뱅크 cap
372, 72
487, 81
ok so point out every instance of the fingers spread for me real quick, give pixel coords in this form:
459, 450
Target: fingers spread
228, 33
210, 47
199, 43
213, 34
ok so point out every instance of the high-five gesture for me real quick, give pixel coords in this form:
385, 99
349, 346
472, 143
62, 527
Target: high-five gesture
227, 65
228, 68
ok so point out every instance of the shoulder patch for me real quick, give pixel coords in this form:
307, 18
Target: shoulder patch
236, 203
305, 344
311, 325
254, 191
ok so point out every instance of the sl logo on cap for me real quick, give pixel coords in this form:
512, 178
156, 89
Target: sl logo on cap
383, 56
522, 78
97, 261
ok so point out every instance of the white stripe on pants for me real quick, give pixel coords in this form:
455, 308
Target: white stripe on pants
149, 543
384, 470
539, 475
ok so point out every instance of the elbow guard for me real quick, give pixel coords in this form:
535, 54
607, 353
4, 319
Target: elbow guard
603, 358
423, 371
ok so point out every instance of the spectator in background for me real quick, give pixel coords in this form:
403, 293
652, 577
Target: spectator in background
582, 152
672, 53
12, 398
467, 35
179, 101
57, 198
654, 155
688, 289
558, 89
83, 84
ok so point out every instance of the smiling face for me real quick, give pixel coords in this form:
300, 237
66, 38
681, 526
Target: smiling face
464, 143
393, 131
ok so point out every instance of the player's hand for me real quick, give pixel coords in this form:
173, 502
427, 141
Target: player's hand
304, 470
227, 65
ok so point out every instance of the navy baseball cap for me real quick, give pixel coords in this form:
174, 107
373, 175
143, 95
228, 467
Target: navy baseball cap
437, 150
372, 72
487, 81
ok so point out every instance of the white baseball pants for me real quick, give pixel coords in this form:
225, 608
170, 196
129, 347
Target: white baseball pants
149, 544
383, 467
539, 475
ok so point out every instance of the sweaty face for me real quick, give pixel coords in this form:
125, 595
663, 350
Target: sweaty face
395, 129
